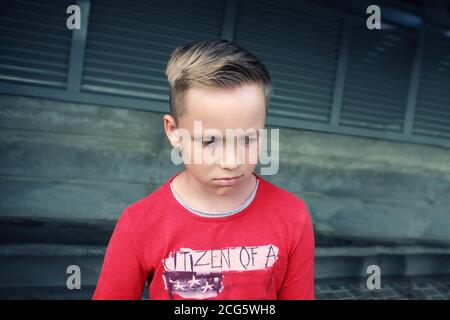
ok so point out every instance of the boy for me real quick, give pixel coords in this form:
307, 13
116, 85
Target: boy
216, 230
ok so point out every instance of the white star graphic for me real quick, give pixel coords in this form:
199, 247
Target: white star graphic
178, 285
207, 286
193, 282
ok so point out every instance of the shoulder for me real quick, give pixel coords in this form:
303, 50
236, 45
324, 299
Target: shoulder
289, 213
280, 196
146, 209
287, 204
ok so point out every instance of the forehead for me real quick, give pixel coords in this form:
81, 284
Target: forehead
240, 107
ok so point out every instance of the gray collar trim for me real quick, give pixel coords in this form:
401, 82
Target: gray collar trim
216, 214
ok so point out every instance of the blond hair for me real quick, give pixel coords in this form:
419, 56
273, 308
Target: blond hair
212, 63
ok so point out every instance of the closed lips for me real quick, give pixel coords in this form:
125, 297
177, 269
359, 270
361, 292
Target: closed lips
229, 178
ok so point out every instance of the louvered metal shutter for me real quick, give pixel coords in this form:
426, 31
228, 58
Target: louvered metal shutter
129, 43
378, 76
299, 47
34, 42
432, 116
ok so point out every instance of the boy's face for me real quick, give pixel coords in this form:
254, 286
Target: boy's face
218, 110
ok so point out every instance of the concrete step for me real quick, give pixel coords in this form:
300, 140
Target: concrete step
23, 265
38, 271
55, 231
338, 262
72, 231
46, 293
46, 265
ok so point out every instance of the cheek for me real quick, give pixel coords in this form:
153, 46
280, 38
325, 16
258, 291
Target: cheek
200, 170
252, 153
249, 168
190, 152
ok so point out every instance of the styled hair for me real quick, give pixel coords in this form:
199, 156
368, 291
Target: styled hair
212, 63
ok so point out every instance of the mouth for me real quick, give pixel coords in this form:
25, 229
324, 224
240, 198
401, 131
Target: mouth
228, 181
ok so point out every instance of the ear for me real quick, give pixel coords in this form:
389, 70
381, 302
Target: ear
170, 128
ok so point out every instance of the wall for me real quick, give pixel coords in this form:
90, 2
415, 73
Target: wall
73, 161
68, 170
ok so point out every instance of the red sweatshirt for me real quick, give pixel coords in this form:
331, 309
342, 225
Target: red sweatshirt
264, 251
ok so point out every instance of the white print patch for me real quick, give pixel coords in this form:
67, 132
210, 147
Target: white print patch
199, 273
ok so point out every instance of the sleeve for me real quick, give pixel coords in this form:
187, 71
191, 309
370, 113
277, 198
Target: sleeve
298, 283
122, 276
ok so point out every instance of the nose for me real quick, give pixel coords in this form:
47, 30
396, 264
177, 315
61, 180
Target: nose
229, 159
229, 165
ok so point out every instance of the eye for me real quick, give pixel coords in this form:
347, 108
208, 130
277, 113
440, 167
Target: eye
209, 141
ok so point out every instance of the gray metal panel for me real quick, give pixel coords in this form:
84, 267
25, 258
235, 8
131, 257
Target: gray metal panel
78, 49
377, 82
129, 43
34, 42
300, 49
432, 116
